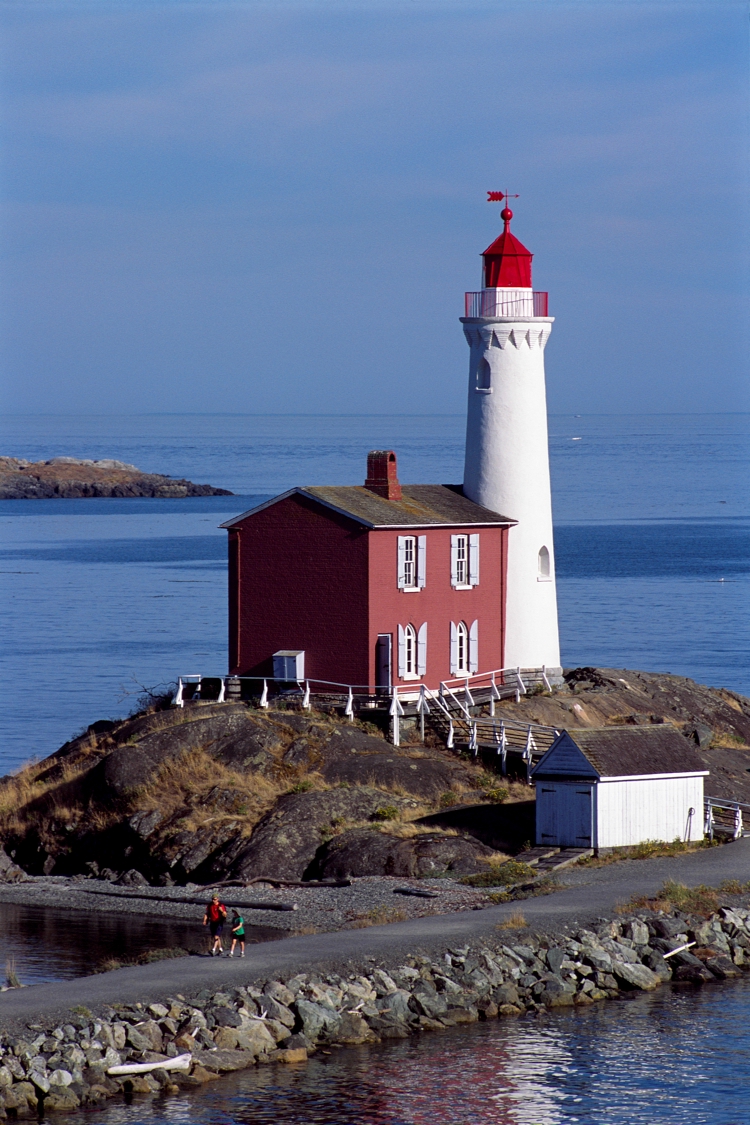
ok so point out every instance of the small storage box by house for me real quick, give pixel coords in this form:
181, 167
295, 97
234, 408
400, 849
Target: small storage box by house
289, 664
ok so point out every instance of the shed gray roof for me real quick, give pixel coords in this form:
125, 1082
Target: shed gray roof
621, 751
421, 505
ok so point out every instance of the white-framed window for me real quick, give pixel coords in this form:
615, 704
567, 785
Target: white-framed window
464, 648
543, 565
412, 562
464, 561
412, 651
484, 377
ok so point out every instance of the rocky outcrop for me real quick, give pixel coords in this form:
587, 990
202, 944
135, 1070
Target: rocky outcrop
226, 790
217, 791
76, 478
428, 855
62, 1067
286, 841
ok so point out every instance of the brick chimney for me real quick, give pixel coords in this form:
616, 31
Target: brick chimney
382, 474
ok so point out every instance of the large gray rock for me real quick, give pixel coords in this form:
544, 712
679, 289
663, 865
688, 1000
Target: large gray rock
635, 976
357, 758
362, 851
285, 842
235, 737
317, 1020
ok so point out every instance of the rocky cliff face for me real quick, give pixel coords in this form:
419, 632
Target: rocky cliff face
225, 791
74, 478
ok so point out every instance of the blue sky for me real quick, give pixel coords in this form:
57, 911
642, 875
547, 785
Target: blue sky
276, 207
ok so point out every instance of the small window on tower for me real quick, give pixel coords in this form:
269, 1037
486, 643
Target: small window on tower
543, 564
484, 376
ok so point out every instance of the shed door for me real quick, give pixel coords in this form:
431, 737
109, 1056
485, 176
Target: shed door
564, 815
579, 824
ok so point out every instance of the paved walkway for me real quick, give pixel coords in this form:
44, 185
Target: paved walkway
589, 893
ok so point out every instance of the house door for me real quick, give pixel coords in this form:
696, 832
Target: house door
564, 815
383, 660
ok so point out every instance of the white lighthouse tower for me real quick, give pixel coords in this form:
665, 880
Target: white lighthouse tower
507, 459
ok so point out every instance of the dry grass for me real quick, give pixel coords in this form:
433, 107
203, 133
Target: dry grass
515, 921
27, 788
700, 900
734, 887
648, 849
186, 781
378, 916
500, 874
724, 740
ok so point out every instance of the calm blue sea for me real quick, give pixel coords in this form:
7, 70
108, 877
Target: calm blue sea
99, 597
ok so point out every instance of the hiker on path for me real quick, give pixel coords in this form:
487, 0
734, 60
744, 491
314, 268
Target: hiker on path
238, 933
214, 918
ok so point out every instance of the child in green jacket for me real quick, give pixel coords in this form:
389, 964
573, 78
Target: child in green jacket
238, 933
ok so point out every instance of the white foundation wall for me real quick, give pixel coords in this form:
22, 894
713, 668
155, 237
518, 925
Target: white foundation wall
507, 470
633, 810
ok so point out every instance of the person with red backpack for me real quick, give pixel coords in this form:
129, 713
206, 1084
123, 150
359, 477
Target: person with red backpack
214, 918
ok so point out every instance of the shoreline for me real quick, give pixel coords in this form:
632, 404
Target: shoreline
289, 997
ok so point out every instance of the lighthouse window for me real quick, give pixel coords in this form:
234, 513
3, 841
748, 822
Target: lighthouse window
543, 563
484, 375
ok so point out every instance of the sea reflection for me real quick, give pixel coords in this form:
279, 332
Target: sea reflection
676, 1057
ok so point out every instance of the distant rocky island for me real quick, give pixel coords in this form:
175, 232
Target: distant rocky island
73, 478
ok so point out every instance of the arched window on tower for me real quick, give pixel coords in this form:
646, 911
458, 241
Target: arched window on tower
543, 564
484, 376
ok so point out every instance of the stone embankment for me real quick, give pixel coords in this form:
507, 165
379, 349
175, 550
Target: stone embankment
73, 478
284, 1021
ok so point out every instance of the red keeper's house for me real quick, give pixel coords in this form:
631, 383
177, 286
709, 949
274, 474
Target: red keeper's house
375, 585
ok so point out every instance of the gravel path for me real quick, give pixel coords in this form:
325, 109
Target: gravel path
587, 893
367, 901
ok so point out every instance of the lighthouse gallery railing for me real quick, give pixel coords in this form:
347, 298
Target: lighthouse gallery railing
506, 302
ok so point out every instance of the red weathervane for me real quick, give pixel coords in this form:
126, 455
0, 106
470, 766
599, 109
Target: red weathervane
499, 196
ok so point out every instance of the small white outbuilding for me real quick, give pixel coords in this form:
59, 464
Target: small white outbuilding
616, 786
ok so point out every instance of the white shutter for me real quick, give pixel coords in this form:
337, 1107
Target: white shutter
474, 647
454, 560
401, 562
401, 652
473, 560
454, 648
422, 650
421, 562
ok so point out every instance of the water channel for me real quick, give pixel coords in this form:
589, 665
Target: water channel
45, 944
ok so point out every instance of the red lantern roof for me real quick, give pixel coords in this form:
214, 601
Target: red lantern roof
507, 262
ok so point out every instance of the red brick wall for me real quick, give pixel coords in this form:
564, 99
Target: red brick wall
438, 603
299, 581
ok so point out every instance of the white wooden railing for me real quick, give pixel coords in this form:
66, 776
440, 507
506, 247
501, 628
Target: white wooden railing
450, 705
726, 818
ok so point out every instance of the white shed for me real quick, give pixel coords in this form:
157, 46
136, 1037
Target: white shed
616, 786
